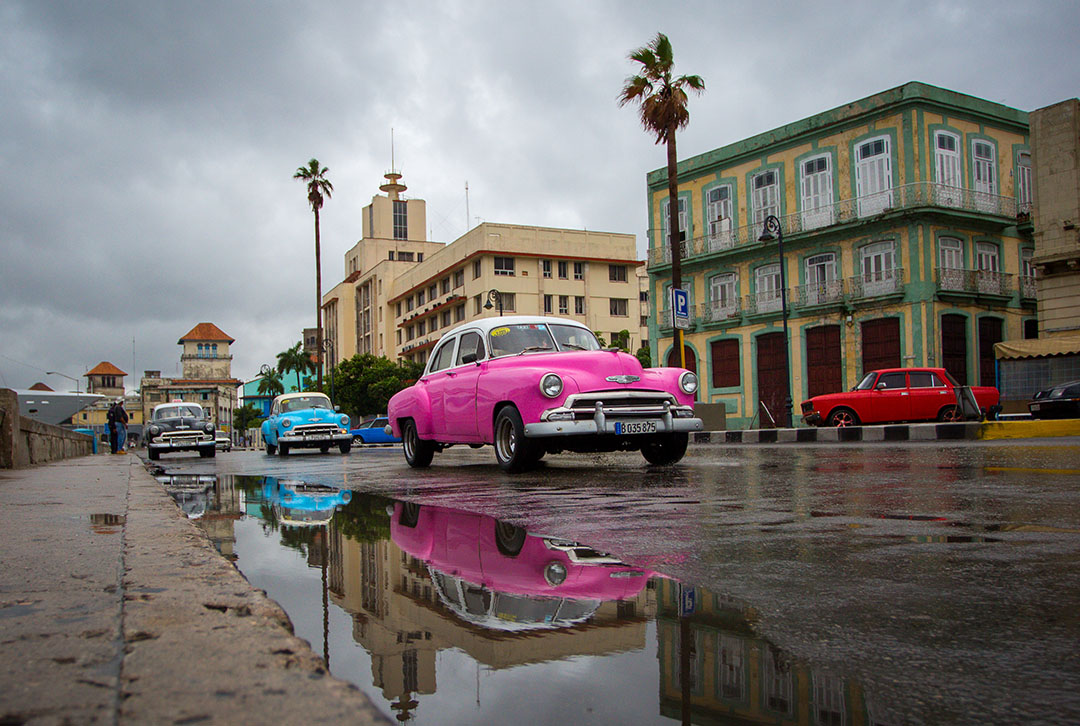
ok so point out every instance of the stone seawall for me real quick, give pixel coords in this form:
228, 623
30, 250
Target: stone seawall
25, 442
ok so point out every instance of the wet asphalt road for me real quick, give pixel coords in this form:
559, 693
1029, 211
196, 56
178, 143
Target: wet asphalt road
945, 577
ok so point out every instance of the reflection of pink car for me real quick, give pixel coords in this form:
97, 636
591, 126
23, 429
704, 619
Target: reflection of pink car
478, 561
534, 385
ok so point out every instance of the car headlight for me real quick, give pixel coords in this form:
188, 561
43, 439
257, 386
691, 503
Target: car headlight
208, 428
285, 423
551, 385
688, 382
555, 573
344, 421
155, 430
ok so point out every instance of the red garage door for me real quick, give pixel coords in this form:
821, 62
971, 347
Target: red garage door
881, 344
772, 378
824, 369
954, 346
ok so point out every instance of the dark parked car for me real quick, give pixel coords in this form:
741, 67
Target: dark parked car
179, 427
895, 394
1057, 402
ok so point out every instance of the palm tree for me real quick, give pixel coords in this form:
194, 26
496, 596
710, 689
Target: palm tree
270, 384
318, 186
662, 103
295, 359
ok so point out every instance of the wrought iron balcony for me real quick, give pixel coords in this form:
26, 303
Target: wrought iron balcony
716, 311
901, 198
975, 282
763, 302
819, 293
1027, 287
875, 284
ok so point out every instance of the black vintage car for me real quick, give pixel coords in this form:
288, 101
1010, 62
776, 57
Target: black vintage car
179, 427
1061, 401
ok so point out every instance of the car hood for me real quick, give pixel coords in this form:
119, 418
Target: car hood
180, 421
313, 415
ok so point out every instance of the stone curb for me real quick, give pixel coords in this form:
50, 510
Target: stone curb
964, 431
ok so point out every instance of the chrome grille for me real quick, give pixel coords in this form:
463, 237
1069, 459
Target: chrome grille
310, 429
619, 403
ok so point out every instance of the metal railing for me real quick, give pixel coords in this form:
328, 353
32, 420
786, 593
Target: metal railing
904, 197
975, 281
1027, 286
819, 293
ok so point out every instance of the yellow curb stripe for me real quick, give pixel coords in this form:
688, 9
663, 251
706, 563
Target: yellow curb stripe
1029, 429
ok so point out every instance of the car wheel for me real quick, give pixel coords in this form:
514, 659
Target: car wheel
513, 450
271, 449
345, 446
418, 452
843, 417
509, 538
283, 449
665, 449
324, 449
410, 514
949, 414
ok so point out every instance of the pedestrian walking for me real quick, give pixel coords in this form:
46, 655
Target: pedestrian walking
121, 426
110, 426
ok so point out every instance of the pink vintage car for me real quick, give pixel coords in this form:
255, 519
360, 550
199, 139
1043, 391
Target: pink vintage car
497, 575
536, 385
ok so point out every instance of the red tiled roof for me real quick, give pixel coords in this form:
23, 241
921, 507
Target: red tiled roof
105, 368
205, 331
40, 387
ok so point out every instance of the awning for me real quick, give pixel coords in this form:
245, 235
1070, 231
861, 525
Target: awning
1037, 348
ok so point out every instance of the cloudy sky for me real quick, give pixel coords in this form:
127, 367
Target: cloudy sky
147, 148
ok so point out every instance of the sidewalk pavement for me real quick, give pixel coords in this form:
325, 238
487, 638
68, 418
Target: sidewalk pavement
962, 431
115, 609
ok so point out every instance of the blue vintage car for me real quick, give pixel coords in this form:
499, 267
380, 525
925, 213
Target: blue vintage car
373, 432
300, 504
305, 421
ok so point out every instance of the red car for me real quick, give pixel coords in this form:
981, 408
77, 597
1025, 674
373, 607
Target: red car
895, 394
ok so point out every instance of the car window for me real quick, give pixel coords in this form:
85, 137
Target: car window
867, 381
522, 338
302, 402
950, 380
892, 380
442, 356
921, 379
571, 337
470, 343
937, 381
177, 412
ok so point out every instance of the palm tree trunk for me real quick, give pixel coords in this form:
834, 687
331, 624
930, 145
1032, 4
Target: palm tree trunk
676, 233
318, 305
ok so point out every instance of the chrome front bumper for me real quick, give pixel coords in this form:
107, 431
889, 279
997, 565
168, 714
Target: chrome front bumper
179, 444
315, 439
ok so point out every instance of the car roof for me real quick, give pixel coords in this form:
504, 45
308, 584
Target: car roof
486, 325
283, 396
901, 370
177, 403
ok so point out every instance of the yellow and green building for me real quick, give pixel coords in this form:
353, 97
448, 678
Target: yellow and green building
906, 237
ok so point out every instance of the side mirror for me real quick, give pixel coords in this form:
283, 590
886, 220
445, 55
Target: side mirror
337, 408
468, 358
881, 386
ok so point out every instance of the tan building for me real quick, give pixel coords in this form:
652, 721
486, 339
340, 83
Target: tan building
402, 292
108, 380
207, 377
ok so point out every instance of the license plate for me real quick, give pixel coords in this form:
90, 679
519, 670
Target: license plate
635, 427
1036, 406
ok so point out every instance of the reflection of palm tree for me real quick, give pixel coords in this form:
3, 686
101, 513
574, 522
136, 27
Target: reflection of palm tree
318, 186
295, 359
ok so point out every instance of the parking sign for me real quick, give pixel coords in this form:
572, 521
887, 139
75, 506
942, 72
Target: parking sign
680, 308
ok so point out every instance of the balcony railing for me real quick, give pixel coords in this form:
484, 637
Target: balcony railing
716, 311
879, 282
763, 302
905, 197
819, 293
980, 282
1027, 286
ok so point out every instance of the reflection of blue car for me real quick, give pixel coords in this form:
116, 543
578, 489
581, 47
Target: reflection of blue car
305, 421
300, 504
373, 432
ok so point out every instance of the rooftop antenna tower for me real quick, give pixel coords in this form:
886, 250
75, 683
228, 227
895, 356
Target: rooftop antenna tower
393, 186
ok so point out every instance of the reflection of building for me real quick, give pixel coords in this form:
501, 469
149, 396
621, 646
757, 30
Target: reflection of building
400, 620
207, 377
714, 668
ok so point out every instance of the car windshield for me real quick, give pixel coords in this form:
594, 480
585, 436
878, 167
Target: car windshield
177, 412
867, 381
538, 338
301, 402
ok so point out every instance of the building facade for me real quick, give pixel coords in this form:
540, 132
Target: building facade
401, 293
207, 377
905, 240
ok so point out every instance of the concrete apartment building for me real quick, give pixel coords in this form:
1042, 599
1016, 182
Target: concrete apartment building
401, 292
907, 241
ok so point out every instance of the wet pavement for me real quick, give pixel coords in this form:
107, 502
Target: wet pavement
912, 583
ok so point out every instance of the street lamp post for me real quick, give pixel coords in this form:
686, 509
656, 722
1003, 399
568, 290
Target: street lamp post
494, 296
770, 230
65, 375
328, 346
